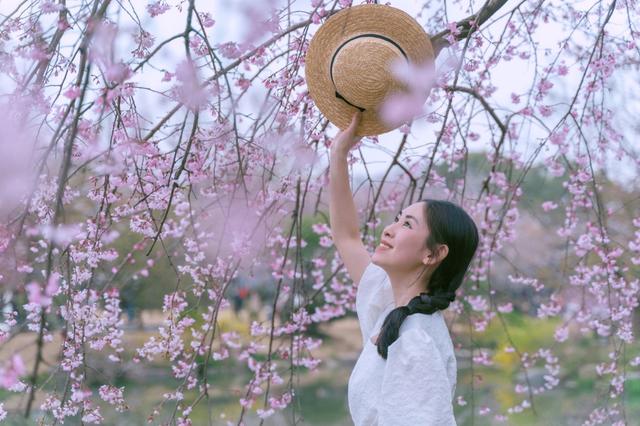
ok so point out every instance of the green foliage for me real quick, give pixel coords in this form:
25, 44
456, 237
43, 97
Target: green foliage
144, 292
323, 402
537, 186
527, 333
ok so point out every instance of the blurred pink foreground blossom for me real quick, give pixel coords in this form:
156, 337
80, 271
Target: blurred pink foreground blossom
402, 106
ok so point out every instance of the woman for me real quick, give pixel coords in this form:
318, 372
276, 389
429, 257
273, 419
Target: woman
406, 372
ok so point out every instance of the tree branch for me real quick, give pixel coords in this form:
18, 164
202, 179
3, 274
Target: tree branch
467, 26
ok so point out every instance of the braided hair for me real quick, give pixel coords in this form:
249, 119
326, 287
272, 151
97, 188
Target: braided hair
448, 224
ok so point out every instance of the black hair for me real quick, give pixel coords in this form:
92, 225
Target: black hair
448, 224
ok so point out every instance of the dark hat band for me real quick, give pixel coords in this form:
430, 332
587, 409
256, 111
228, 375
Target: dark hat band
333, 58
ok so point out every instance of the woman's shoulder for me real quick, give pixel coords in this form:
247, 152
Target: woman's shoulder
374, 286
373, 272
432, 327
411, 345
428, 322
416, 345
373, 298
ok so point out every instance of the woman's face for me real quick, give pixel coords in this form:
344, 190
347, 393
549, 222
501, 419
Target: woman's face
407, 235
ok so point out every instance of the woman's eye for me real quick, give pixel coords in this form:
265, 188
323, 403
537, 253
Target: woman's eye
406, 222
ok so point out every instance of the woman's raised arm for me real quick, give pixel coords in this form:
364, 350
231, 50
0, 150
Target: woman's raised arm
343, 216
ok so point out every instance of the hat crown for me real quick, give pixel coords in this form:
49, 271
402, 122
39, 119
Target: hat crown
344, 73
361, 70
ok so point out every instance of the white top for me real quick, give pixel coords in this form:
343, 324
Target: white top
417, 382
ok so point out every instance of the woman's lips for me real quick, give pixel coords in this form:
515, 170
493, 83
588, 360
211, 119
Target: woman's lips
385, 247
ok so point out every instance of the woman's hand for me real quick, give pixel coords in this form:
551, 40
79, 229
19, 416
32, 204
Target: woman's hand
346, 139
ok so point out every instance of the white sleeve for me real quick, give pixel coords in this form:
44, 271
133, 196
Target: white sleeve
372, 297
415, 386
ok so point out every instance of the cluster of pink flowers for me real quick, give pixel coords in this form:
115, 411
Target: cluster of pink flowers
157, 8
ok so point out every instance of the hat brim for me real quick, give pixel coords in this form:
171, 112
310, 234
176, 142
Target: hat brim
367, 18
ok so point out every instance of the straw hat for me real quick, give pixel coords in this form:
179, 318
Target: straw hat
348, 62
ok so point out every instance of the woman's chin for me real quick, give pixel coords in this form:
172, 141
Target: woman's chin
377, 259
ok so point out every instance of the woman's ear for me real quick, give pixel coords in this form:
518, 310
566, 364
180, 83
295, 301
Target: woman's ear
442, 252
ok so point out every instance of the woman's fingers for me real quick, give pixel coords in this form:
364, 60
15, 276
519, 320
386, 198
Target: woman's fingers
355, 120
346, 139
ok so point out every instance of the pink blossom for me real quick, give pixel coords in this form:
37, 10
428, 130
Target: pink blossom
145, 41
243, 83
482, 357
38, 53
262, 20
62, 234
17, 145
603, 65
11, 371
563, 70
36, 296
544, 86
157, 8
399, 108
545, 110
326, 241
419, 78
528, 111
405, 129
117, 73
190, 91
207, 20
217, 356
229, 50
92, 415
478, 303
551, 309
51, 289
558, 137
263, 414
282, 402
51, 7
101, 52
321, 228
507, 307
453, 32
72, 92
167, 76
471, 65
484, 410
561, 334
